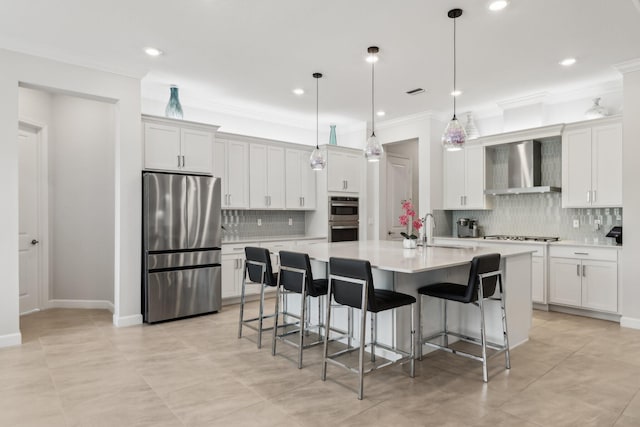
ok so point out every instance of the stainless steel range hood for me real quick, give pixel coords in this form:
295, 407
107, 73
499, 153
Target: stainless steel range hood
524, 170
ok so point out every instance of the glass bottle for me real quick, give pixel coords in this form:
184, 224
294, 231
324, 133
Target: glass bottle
174, 109
332, 135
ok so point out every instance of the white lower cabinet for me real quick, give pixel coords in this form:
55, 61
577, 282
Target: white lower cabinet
584, 278
537, 280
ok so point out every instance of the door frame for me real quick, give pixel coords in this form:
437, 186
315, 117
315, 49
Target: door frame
387, 213
42, 134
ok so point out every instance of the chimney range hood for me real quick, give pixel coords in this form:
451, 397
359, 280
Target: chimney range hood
524, 170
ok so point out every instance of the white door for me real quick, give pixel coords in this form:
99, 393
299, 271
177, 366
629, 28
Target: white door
352, 172
307, 181
275, 177
293, 187
162, 147
258, 176
576, 168
237, 174
474, 179
454, 179
606, 173
600, 285
336, 166
565, 281
537, 279
398, 189
28, 233
219, 168
196, 148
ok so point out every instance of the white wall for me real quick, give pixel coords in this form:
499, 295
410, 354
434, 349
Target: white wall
80, 146
82, 194
631, 196
125, 93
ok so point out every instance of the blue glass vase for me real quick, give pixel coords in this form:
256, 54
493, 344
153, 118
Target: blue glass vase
174, 109
332, 135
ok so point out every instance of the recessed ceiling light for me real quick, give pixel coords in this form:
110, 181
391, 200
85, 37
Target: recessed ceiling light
152, 51
298, 91
567, 62
497, 5
381, 113
456, 93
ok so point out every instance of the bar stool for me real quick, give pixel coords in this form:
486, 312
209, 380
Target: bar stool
295, 277
351, 284
484, 275
258, 267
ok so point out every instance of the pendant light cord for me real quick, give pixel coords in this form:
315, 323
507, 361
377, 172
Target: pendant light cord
373, 123
454, 68
317, 96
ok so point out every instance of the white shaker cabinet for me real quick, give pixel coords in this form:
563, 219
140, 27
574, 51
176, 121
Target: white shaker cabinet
343, 171
175, 145
584, 277
592, 164
266, 177
464, 179
231, 163
300, 180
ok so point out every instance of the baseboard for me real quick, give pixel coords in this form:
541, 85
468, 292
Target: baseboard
81, 303
124, 321
586, 313
630, 322
10, 340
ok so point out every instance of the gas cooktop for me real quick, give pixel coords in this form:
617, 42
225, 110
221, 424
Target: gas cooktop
522, 238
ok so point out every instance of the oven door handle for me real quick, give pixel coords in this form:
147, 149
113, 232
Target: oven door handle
344, 204
344, 227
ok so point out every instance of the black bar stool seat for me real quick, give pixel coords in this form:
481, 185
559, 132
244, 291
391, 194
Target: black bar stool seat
257, 267
485, 278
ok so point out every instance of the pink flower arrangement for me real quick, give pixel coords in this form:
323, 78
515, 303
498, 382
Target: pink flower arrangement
408, 220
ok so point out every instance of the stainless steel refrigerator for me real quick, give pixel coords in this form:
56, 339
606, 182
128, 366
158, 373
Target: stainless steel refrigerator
181, 239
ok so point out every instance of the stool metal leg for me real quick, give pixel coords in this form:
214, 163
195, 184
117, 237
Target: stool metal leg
412, 372
507, 356
374, 335
446, 330
349, 326
275, 320
303, 316
483, 333
419, 303
363, 331
244, 281
261, 315
325, 352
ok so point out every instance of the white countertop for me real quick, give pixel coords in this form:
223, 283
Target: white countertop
391, 256
272, 239
610, 243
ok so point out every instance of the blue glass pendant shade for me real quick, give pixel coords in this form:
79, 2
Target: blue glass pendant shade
174, 109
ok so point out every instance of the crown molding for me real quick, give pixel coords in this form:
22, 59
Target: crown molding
425, 115
524, 101
630, 66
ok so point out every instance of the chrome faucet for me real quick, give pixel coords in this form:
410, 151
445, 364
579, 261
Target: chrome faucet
424, 222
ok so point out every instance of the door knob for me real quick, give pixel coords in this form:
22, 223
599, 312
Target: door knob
34, 242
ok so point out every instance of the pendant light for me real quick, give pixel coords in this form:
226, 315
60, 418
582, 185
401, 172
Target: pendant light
454, 135
316, 161
373, 150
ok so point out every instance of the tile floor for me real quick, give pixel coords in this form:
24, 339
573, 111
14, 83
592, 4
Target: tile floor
76, 369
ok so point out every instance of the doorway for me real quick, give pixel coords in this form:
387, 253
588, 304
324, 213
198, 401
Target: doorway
401, 183
32, 205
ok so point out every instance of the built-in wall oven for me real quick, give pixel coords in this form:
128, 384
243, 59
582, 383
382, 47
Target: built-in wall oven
343, 219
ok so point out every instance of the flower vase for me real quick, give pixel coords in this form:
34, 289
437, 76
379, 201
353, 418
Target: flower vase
410, 243
174, 109
332, 135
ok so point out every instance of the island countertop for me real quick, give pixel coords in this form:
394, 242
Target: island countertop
391, 256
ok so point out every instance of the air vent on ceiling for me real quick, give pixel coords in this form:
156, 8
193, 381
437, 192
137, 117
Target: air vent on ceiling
415, 91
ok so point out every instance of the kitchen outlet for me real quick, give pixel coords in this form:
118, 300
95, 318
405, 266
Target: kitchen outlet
259, 222
290, 221
576, 223
597, 223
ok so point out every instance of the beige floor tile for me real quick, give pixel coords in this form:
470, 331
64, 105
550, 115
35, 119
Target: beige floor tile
633, 408
625, 421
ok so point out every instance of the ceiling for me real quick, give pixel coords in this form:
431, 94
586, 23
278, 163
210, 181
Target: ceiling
246, 56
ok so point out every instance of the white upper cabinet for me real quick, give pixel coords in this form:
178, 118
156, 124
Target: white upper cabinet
464, 179
175, 145
343, 171
592, 164
266, 177
231, 163
300, 180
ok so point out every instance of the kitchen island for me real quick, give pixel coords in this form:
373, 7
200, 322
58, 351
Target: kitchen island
406, 270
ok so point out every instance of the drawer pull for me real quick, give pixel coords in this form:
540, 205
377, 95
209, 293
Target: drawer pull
581, 253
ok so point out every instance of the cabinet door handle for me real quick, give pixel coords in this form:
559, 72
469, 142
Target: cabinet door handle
588, 196
269, 200
581, 253
577, 269
266, 201
302, 200
229, 199
182, 161
465, 200
584, 271
178, 156
594, 196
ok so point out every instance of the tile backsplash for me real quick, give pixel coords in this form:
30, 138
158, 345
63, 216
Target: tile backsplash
541, 215
241, 224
